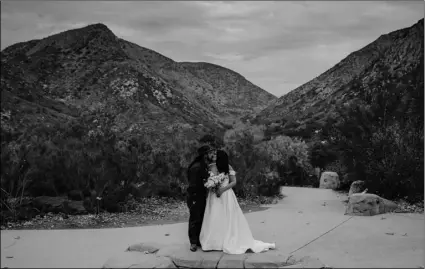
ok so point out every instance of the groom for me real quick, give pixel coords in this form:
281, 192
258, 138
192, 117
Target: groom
197, 193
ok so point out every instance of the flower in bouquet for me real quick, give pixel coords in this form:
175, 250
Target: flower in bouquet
213, 182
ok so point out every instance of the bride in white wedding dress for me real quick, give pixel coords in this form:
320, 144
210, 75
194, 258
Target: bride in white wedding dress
224, 226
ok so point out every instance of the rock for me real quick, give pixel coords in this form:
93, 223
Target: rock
356, 187
329, 180
26, 212
266, 260
145, 247
49, 204
138, 260
183, 257
232, 261
75, 207
368, 204
111, 204
89, 205
307, 262
75, 195
179, 256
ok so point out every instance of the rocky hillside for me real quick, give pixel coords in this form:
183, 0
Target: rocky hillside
392, 61
231, 91
91, 75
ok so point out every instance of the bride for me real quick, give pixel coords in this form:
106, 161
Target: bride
224, 226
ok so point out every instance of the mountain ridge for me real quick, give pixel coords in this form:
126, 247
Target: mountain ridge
97, 74
399, 50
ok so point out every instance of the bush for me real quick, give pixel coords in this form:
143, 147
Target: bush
385, 151
321, 155
281, 148
395, 167
264, 166
57, 159
250, 164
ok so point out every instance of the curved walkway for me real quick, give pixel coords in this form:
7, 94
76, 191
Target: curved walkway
307, 222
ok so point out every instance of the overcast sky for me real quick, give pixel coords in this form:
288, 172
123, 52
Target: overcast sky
276, 45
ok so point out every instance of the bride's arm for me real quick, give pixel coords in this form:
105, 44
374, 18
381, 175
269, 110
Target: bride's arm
232, 180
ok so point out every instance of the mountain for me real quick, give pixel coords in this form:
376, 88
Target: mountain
245, 99
391, 64
92, 76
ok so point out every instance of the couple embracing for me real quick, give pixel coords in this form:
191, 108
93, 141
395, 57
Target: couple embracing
216, 221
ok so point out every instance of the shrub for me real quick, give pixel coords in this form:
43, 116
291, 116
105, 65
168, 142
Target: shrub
321, 154
250, 164
385, 151
281, 148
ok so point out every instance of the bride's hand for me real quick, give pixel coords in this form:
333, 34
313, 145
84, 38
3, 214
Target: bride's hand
219, 192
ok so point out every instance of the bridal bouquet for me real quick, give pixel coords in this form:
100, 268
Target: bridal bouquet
213, 182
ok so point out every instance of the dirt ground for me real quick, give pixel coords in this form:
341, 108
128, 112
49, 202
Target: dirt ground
153, 211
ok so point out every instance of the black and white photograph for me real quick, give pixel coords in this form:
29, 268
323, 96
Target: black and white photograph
212, 134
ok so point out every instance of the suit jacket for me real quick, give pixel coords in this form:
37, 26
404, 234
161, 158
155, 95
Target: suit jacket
197, 174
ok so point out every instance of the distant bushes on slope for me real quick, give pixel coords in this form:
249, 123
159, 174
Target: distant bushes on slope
265, 165
383, 143
55, 160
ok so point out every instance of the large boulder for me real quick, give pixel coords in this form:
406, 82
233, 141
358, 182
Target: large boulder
368, 204
46, 204
329, 180
74, 207
50, 204
357, 186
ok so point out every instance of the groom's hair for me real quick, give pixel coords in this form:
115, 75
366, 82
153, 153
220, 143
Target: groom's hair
222, 161
204, 150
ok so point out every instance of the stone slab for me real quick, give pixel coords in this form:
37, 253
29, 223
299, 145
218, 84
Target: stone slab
148, 247
270, 259
183, 257
179, 256
169, 250
135, 259
307, 262
232, 261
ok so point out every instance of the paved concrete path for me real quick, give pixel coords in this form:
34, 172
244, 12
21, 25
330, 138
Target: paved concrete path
307, 222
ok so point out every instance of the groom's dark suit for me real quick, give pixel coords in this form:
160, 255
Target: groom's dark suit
196, 198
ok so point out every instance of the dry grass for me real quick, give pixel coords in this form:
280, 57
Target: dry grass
152, 211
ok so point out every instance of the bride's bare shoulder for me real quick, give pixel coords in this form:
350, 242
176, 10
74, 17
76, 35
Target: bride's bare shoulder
232, 172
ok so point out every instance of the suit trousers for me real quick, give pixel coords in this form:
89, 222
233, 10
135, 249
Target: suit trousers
196, 211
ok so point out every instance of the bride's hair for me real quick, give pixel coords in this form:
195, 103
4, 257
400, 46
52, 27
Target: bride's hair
222, 162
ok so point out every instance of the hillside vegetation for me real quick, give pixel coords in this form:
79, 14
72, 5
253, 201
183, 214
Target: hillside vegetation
107, 123
364, 117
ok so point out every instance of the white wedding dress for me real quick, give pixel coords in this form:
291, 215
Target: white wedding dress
225, 228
